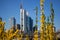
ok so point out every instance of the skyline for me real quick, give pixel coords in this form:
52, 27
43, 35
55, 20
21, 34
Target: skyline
12, 8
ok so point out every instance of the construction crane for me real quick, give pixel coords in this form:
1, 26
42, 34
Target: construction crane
42, 27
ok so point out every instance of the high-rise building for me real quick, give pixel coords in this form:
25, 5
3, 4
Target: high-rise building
13, 22
25, 21
18, 26
30, 24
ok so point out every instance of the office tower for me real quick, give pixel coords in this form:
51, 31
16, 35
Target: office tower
13, 22
30, 24
26, 22
23, 19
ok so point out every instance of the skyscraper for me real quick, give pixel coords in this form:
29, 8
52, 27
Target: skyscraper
13, 22
23, 19
30, 24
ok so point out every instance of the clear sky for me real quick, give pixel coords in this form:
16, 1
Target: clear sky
11, 8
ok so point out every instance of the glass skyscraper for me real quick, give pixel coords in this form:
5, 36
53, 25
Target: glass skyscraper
26, 22
13, 22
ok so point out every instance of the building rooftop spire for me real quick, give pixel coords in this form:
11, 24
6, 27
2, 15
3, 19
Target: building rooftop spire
21, 6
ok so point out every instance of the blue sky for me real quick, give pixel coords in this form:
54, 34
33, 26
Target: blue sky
11, 8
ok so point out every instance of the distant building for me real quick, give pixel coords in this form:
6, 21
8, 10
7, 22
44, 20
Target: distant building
30, 24
13, 22
18, 26
23, 20
26, 22
0, 19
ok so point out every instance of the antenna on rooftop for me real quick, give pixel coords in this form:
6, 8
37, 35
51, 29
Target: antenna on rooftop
21, 4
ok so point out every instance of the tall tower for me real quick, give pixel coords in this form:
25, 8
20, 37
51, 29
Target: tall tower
23, 19
42, 27
30, 24
13, 22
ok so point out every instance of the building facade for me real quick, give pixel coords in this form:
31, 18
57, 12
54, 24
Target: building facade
13, 22
25, 21
30, 24
18, 26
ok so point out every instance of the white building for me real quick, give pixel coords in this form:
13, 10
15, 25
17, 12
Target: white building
24, 20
